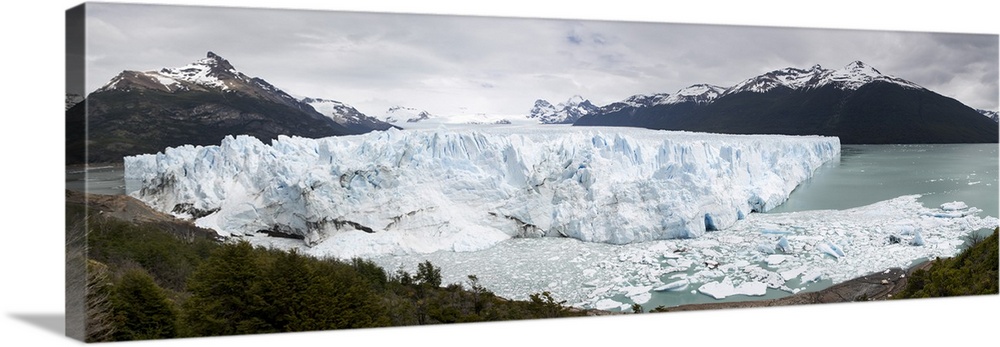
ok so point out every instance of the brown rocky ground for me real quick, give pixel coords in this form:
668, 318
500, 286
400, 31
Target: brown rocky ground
126, 208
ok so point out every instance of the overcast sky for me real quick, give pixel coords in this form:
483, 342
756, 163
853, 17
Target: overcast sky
456, 64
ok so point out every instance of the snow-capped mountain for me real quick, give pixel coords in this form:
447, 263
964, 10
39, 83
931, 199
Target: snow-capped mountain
989, 114
346, 115
698, 93
857, 103
563, 113
199, 103
851, 77
638, 100
210, 74
397, 114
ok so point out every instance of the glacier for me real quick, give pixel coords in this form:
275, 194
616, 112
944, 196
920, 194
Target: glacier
421, 191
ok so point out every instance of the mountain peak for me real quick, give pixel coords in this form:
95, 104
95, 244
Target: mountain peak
575, 100
861, 67
216, 61
852, 76
697, 93
542, 103
407, 114
564, 112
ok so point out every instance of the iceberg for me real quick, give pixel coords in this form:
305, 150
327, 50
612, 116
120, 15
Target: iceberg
954, 206
421, 191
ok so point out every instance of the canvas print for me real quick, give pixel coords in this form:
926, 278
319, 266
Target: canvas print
243, 171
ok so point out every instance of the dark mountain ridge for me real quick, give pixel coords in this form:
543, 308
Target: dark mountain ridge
857, 104
198, 104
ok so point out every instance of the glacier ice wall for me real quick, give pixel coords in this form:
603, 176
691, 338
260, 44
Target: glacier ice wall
398, 192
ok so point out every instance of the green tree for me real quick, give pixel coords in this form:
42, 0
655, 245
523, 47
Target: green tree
225, 292
429, 275
543, 305
141, 308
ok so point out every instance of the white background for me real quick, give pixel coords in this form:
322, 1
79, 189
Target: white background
32, 80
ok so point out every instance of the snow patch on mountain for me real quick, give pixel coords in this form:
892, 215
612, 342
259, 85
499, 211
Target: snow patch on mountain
850, 77
342, 113
420, 191
698, 93
563, 113
206, 72
635, 101
399, 114
989, 114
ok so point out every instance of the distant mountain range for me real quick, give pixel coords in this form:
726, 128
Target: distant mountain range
198, 104
857, 103
397, 114
563, 113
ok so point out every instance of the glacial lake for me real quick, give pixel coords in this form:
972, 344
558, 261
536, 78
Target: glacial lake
870, 173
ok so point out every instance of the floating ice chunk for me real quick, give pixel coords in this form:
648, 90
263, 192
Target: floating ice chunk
718, 290
607, 304
775, 259
830, 248
765, 248
703, 243
947, 214
825, 248
711, 253
790, 274
917, 240
600, 291
774, 230
633, 291
641, 298
954, 206
812, 275
751, 288
725, 288
836, 248
783, 246
904, 228
672, 286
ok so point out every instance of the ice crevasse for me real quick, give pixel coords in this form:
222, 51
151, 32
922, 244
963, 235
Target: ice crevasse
397, 192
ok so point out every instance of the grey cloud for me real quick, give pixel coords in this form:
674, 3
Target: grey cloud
445, 63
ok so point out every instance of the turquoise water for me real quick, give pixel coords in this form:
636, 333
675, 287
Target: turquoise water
867, 174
